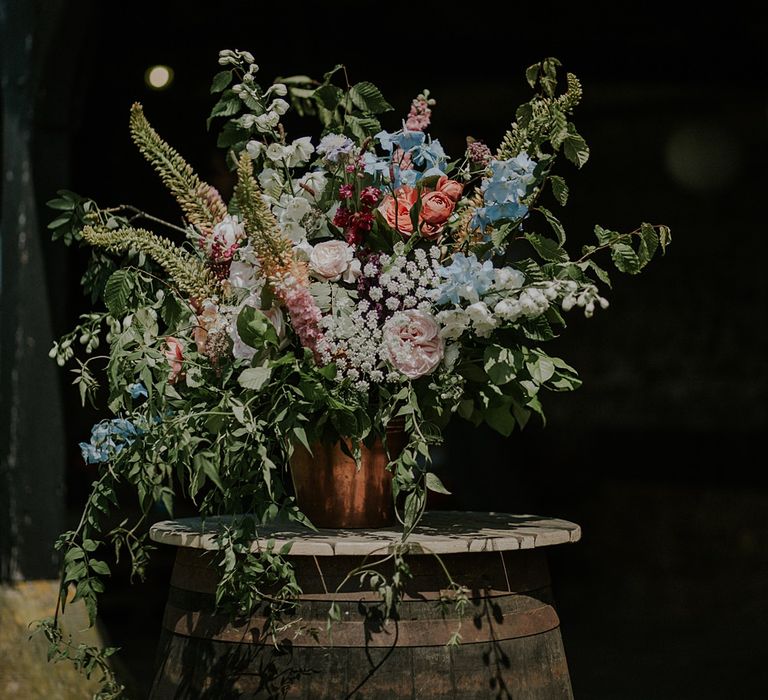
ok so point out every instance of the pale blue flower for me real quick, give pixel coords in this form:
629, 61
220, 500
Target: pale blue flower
430, 155
465, 278
136, 390
378, 167
502, 191
108, 439
404, 139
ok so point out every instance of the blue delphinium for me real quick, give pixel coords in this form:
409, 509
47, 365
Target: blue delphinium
108, 438
407, 140
465, 278
503, 190
136, 390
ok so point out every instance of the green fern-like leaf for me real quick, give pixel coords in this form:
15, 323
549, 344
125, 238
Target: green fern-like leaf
186, 271
200, 202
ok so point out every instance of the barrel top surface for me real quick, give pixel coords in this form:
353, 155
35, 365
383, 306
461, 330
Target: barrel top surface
439, 532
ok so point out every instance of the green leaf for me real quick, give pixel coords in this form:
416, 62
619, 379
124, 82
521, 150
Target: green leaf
548, 77
546, 247
532, 73
559, 189
500, 419
541, 370
500, 364
228, 105
368, 98
554, 223
254, 378
649, 244
329, 96
665, 237
625, 258
576, 149
433, 483
221, 81
363, 126
61, 204
203, 462
255, 329
605, 236
117, 291
600, 273
100, 567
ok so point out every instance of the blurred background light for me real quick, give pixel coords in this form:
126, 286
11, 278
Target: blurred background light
158, 77
703, 157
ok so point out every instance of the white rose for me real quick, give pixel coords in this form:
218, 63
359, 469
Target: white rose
331, 260
412, 343
301, 149
229, 231
482, 318
242, 274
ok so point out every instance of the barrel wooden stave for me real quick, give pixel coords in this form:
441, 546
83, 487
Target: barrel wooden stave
515, 649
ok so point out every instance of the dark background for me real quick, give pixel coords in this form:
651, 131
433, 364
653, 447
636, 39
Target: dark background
660, 455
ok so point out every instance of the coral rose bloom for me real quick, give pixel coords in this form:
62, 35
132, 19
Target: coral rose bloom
436, 207
397, 210
450, 188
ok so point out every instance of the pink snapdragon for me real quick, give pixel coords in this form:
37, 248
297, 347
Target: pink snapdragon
420, 114
304, 313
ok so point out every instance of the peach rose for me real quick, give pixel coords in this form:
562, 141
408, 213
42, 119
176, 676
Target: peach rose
436, 207
206, 321
412, 342
450, 188
430, 231
397, 210
174, 353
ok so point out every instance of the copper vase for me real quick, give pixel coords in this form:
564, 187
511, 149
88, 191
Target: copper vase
334, 493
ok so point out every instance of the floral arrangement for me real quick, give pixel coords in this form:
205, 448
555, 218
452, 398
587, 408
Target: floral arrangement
351, 278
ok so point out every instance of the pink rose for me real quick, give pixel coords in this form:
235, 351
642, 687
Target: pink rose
397, 210
174, 353
412, 342
436, 207
450, 188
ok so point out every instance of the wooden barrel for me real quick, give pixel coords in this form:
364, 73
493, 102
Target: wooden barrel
510, 639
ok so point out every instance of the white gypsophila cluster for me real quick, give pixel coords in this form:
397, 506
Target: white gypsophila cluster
353, 328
